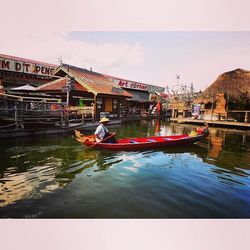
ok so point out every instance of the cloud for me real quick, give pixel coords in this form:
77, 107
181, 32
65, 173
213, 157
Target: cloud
126, 15
104, 57
51, 46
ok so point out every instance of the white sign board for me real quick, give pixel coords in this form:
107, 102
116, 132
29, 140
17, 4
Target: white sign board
26, 67
137, 86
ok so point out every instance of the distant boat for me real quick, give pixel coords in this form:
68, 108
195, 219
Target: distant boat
142, 142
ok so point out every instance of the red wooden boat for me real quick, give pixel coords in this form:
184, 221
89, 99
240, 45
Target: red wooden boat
141, 143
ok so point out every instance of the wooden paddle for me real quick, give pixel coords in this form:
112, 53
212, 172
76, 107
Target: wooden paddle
112, 134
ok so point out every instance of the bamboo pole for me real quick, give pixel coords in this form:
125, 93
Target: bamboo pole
16, 118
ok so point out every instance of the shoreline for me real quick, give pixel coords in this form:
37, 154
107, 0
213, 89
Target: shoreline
5, 134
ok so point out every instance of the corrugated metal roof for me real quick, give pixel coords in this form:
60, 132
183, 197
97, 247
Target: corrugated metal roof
93, 81
139, 96
58, 84
24, 87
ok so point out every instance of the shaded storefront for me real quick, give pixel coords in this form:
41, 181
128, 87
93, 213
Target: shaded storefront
82, 90
144, 96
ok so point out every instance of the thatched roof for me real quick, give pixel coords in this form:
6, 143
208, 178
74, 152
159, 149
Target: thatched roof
234, 83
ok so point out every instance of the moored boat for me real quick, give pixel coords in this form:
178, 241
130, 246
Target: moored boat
142, 142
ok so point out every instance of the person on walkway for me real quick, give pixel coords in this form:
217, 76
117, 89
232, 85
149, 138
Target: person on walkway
150, 110
102, 132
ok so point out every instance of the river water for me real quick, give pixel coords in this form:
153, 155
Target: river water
55, 177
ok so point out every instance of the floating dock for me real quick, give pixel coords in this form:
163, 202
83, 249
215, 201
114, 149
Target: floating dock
212, 123
11, 133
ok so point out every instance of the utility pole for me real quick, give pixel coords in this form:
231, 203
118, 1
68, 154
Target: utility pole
177, 82
68, 87
192, 89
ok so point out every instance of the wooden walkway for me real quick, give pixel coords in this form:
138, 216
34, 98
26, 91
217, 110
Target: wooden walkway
211, 123
11, 133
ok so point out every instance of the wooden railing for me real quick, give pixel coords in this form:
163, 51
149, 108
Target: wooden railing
21, 112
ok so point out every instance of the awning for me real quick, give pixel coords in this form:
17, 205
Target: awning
24, 87
138, 96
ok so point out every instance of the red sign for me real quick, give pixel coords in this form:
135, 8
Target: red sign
132, 85
136, 85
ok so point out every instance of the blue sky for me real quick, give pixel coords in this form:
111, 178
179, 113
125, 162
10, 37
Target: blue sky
147, 41
198, 57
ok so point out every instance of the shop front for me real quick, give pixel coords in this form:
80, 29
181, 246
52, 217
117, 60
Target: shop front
144, 97
93, 92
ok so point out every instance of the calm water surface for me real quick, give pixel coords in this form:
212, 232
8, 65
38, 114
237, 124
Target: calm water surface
54, 177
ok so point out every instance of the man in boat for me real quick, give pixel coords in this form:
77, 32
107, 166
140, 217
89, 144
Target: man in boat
102, 132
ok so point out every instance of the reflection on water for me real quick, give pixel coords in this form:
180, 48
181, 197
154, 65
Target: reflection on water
38, 175
230, 154
216, 145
